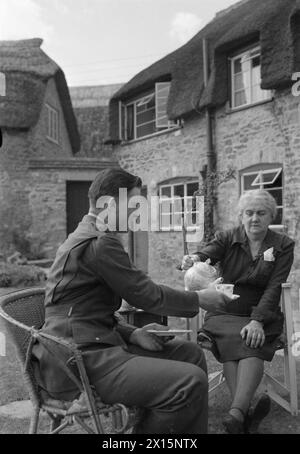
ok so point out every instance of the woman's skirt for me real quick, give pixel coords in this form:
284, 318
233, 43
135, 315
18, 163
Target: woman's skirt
228, 345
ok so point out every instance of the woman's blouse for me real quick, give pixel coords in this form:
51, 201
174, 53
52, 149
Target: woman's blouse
257, 281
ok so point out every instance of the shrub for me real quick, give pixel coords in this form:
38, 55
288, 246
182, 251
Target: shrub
29, 245
20, 275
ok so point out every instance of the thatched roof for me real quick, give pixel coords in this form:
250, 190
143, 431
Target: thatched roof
28, 69
93, 96
273, 23
90, 105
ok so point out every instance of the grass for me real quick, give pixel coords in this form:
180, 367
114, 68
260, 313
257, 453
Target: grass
12, 389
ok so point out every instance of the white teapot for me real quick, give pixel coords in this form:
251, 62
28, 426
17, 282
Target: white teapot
199, 276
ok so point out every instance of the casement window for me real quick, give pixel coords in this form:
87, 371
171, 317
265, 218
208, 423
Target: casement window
52, 124
146, 115
270, 179
245, 71
177, 205
2, 84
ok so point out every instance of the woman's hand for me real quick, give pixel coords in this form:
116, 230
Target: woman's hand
149, 341
254, 334
188, 261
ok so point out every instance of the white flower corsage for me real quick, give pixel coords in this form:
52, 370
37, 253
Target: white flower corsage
269, 256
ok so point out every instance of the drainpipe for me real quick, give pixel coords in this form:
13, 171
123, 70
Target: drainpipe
210, 154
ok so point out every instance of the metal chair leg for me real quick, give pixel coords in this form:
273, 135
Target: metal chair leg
34, 420
55, 423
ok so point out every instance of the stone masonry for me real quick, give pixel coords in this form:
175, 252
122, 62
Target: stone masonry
267, 133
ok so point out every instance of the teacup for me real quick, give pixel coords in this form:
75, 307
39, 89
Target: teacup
225, 288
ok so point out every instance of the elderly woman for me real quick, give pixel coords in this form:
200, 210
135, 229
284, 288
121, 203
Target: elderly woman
257, 261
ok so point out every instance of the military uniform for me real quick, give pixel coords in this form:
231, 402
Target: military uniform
88, 279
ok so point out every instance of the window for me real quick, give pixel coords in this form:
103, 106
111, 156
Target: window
53, 124
177, 205
146, 115
246, 79
2, 84
270, 180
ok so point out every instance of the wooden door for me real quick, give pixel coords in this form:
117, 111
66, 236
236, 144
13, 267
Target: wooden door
77, 203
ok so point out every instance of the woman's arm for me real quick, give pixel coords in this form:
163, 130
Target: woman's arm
265, 311
215, 250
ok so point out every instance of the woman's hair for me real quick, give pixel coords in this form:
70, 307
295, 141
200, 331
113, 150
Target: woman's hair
259, 195
109, 181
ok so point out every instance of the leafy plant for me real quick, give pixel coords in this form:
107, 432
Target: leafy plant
12, 275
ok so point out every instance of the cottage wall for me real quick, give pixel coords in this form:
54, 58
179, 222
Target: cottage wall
32, 196
41, 146
267, 133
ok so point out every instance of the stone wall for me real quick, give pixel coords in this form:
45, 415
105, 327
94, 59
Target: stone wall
33, 198
266, 133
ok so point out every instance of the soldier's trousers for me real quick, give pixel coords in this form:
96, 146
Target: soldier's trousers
170, 386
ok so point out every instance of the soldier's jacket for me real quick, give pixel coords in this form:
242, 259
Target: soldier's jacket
87, 281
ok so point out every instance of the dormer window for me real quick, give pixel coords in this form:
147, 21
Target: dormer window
146, 115
246, 79
2, 84
52, 124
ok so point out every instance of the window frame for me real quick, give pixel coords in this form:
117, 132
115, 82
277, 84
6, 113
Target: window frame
254, 51
123, 115
2, 84
176, 227
260, 171
53, 124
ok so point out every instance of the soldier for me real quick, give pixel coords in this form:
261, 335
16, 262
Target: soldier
89, 277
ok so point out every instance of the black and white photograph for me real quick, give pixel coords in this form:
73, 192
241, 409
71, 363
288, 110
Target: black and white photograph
150, 220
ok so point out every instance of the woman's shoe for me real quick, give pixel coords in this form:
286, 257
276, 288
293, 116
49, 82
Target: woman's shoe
258, 413
232, 424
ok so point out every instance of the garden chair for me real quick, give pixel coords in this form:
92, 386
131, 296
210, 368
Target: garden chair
24, 314
283, 393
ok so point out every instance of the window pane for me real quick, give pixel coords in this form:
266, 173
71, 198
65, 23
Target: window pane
123, 122
268, 177
192, 188
240, 98
166, 206
145, 117
237, 66
177, 220
145, 130
162, 94
178, 204
145, 102
277, 194
277, 183
248, 180
130, 123
166, 221
179, 190
258, 94
242, 81
166, 191
256, 62
256, 76
279, 217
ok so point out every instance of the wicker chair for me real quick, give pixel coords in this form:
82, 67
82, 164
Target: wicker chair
23, 313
